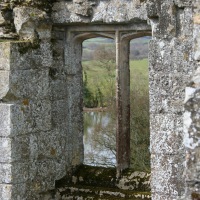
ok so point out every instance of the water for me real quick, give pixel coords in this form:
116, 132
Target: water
99, 139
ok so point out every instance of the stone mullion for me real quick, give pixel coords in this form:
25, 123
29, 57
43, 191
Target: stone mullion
123, 104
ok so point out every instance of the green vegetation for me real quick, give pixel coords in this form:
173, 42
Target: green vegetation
99, 85
140, 133
97, 79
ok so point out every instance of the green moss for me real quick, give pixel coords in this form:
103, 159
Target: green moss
100, 183
4, 41
89, 191
101, 177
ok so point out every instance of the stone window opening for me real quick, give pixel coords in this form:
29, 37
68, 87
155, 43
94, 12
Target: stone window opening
99, 101
139, 139
122, 36
122, 45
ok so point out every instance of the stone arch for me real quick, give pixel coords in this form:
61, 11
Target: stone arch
122, 36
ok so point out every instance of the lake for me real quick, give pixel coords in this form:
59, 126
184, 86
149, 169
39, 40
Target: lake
99, 139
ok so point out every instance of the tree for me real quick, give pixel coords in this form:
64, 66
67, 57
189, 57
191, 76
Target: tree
89, 100
105, 58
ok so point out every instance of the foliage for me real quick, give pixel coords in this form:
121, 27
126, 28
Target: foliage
101, 74
90, 99
139, 122
101, 90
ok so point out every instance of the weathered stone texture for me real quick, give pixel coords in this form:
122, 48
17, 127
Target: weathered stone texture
89, 182
191, 117
98, 11
191, 139
170, 69
41, 121
33, 123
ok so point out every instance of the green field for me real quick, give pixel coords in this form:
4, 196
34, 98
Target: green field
98, 76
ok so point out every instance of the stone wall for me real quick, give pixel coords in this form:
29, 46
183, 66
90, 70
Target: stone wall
34, 112
40, 88
170, 68
191, 116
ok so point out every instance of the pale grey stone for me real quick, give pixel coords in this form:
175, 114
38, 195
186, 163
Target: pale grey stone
4, 83
6, 191
5, 173
196, 42
6, 152
4, 56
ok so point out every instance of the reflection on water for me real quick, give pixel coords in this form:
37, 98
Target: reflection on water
99, 139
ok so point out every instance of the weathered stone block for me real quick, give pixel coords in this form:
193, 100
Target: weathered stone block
73, 65
4, 56
6, 150
30, 116
41, 113
90, 11
153, 9
29, 55
27, 19
20, 148
187, 22
5, 173
60, 167
193, 165
5, 124
42, 176
58, 33
167, 20
60, 112
4, 83
30, 84
196, 36
20, 191
183, 3
167, 137
6, 191
51, 145
58, 89
20, 173
170, 168
58, 49
158, 196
